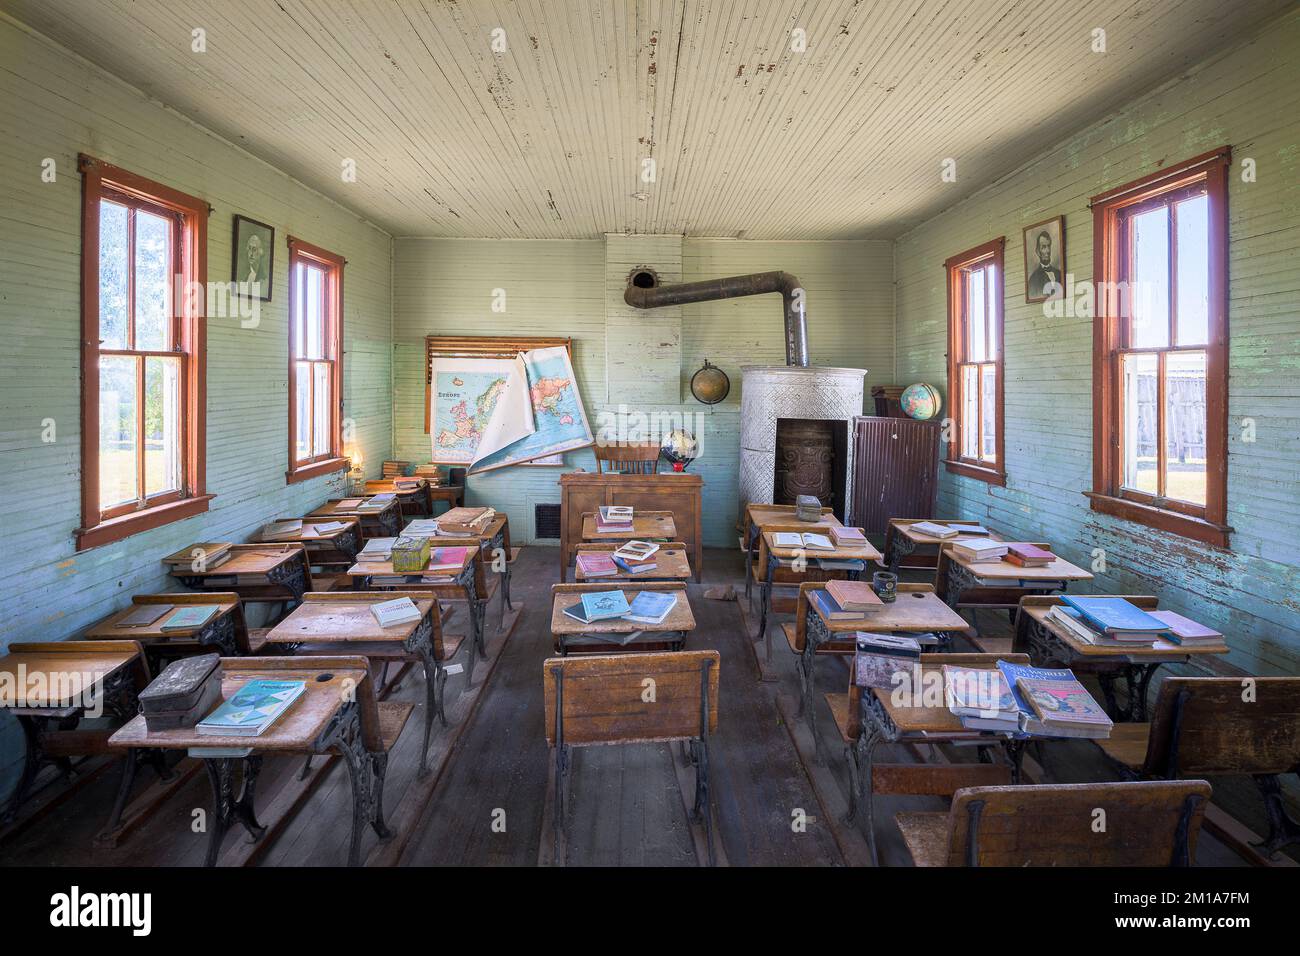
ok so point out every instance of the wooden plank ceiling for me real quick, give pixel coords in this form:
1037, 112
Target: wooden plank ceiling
547, 139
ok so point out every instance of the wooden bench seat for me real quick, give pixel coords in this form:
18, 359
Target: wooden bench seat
393, 716
839, 705
1127, 744
257, 639
926, 836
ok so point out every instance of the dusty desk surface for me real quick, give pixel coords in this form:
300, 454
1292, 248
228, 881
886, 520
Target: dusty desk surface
346, 618
669, 563
679, 618
645, 525
70, 675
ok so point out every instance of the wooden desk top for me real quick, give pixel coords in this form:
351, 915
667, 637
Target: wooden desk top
671, 562
765, 514
367, 568
904, 527
490, 530
1059, 570
69, 671
679, 618
375, 486
646, 525
309, 531
345, 618
1038, 607
295, 731
110, 630
923, 720
918, 611
248, 559
332, 509
865, 552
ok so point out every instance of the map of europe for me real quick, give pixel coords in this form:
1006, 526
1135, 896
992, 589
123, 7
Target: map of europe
466, 401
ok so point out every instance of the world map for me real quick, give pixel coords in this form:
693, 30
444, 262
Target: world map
466, 401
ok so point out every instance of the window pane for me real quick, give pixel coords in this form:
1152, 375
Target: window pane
976, 299
162, 425
994, 310
988, 400
1193, 270
1149, 282
152, 269
113, 263
1140, 460
1185, 458
299, 336
315, 312
117, 448
302, 402
970, 411
321, 413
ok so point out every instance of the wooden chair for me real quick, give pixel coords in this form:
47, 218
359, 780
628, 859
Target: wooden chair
601, 700
640, 458
1145, 823
1219, 726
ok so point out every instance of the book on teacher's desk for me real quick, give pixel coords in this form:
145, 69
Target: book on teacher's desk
830, 609
640, 567
252, 708
650, 607
596, 564
602, 605
854, 595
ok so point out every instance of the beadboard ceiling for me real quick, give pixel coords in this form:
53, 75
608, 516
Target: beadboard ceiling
547, 139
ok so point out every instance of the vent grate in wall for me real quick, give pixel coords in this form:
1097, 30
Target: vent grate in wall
546, 521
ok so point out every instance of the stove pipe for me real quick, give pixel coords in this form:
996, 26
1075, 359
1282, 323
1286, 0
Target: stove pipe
651, 295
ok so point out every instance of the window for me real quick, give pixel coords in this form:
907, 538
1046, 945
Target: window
142, 445
975, 363
1160, 350
315, 361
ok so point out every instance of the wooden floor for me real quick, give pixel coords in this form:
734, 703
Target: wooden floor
775, 803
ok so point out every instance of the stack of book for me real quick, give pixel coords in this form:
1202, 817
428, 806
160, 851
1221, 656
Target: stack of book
430, 473
319, 529
848, 537
465, 522
422, 528
376, 503
408, 484
1108, 621
979, 550
845, 600
1028, 555
635, 552
282, 530
200, 556
596, 564
646, 607
1185, 631
614, 519
395, 469
377, 549
1024, 701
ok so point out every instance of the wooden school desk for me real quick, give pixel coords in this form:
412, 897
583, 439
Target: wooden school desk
328, 548
336, 713
998, 584
671, 564
341, 623
453, 495
646, 526
615, 635
1050, 644
49, 687
903, 540
784, 558
413, 502
470, 581
916, 612
381, 523
494, 541
256, 572
225, 632
758, 518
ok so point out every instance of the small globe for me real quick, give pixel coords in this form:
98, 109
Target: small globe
920, 401
710, 384
680, 447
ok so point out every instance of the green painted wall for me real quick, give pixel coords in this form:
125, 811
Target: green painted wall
1249, 98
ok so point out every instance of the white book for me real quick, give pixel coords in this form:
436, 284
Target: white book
324, 527
377, 549
281, 529
980, 549
787, 539
636, 550
398, 611
421, 528
935, 530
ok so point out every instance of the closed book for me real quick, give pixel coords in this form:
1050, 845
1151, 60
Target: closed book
1030, 723
348, 504
421, 527
616, 514
1074, 622
189, 617
1029, 555
204, 554
1065, 705
629, 567
979, 550
934, 529
636, 551
398, 611
651, 607
577, 612
1186, 631
1114, 615
602, 605
596, 565
145, 614
252, 709
610, 527
854, 595
322, 528
282, 529
848, 537
447, 559
377, 549
830, 609
979, 692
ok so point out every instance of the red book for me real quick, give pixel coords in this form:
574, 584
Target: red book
848, 536
853, 595
594, 565
1029, 555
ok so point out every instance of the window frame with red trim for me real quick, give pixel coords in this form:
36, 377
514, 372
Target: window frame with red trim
304, 260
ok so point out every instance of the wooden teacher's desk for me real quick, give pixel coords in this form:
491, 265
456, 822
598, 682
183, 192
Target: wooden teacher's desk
583, 492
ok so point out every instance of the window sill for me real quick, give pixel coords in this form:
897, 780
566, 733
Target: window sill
1162, 519
115, 529
316, 469
978, 472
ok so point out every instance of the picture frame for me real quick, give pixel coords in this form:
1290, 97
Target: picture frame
1044, 252
253, 240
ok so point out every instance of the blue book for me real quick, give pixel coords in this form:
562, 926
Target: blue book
252, 708
635, 568
1113, 615
1029, 723
601, 605
651, 607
